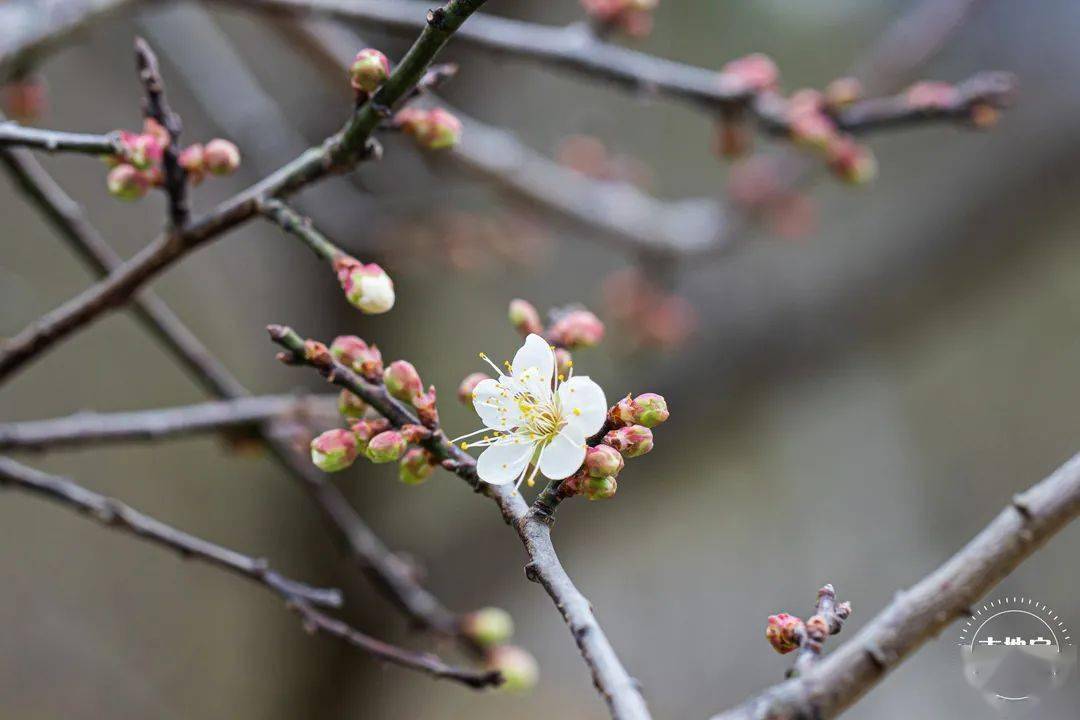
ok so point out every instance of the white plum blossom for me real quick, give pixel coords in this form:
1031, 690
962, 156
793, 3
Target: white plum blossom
533, 417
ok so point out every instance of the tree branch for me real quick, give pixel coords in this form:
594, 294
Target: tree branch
619, 690
918, 614
156, 107
88, 428
389, 573
300, 227
339, 153
55, 141
298, 596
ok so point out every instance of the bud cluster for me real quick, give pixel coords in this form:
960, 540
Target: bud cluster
491, 629
571, 329
630, 17
786, 632
138, 166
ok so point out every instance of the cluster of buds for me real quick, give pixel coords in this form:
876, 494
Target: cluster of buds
629, 435
928, 96
810, 119
432, 129
787, 632
367, 286
648, 314
137, 167
630, 17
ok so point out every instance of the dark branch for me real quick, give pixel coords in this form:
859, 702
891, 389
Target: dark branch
55, 141
156, 107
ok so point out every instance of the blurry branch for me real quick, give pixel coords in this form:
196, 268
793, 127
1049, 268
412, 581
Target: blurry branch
300, 227
156, 108
298, 596
577, 48
620, 691
14, 135
88, 428
394, 577
339, 153
918, 614
31, 26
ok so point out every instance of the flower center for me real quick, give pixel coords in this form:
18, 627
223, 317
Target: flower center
541, 417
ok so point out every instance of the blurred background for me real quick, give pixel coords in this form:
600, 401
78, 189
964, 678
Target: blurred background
857, 387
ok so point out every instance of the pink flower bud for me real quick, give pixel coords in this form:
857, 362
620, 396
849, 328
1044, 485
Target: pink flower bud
426, 408
415, 433
221, 157
143, 150
126, 183
488, 626
757, 71
348, 350
851, 162
317, 354
468, 386
191, 159
632, 441
604, 11
842, 92
517, 666
785, 632
442, 130
648, 409
812, 129
931, 95
563, 362
600, 488
350, 405
603, 461
817, 628
416, 466
367, 428
402, 381
369, 70
386, 447
524, 317
334, 450
577, 329
367, 287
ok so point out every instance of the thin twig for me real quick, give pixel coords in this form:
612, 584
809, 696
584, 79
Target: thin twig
298, 596
300, 227
88, 428
828, 619
156, 107
394, 577
923, 611
620, 691
338, 153
56, 141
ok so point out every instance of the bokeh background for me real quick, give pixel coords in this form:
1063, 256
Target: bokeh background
850, 405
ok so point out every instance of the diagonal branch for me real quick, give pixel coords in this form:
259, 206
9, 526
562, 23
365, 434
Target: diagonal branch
15, 135
918, 614
156, 107
620, 691
298, 596
87, 428
391, 575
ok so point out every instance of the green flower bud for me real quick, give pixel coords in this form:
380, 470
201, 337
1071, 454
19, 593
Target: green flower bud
488, 626
334, 450
415, 467
350, 405
631, 441
369, 70
524, 317
386, 447
601, 488
402, 381
518, 668
220, 157
603, 461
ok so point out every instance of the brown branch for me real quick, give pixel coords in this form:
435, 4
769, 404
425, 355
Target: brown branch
828, 619
56, 141
923, 611
338, 153
156, 107
298, 596
391, 575
620, 691
87, 428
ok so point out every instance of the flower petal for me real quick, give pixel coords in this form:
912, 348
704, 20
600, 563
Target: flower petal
495, 405
535, 353
563, 455
583, 405
503, 463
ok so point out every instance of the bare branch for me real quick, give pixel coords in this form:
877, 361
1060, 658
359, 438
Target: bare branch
298, 596
620, 691
156, 108
55, 141
88, 428
300, 227
923, 611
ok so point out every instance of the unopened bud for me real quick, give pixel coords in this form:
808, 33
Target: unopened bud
367, 428
415, 467
817, 628
757, 71
648, 409
142, 150
369, 70
433, 129
577, 329
632, 441
356, 354
386, 447
402, 381
812, 129
517, 666
426, 408
842, 92
851, 162
488, 626
785, 632
367, 287
524, 317
415, 433
563, 362
221, 157
843, 610
317, 354
468, 386
600, 488
603, 461
126, 183
191, 159
334, 450
350, 405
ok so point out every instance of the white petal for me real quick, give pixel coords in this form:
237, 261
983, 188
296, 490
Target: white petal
495, 405
583, 405
535, 353
502, 464
563, 455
